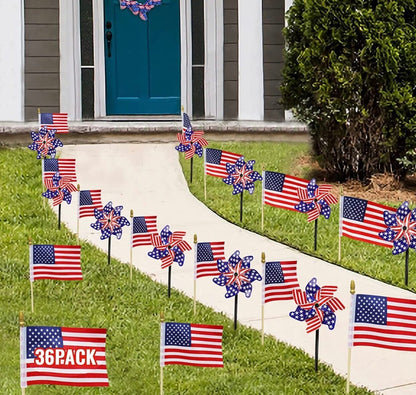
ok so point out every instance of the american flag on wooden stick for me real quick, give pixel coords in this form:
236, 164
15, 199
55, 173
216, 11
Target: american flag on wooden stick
54, 121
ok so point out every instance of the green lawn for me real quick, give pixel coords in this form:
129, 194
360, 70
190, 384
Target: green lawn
129, 310
291, 227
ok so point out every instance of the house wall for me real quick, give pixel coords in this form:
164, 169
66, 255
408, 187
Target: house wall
11, 61
41, 57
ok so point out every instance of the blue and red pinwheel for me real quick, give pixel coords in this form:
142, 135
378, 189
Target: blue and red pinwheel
236, 275
190, 141
401, 228
59, 189
169, 247
242, 176
45, 143
316, 305
138, 8
315, 200
109, 221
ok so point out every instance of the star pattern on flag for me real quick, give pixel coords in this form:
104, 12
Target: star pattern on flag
45, 143
190, 141
59, 189
169, 247
316, 305
315, 200
236, 275
242, 176
401, 228
138, 8
110, 221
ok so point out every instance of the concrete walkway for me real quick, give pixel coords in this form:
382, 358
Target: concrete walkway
148, 179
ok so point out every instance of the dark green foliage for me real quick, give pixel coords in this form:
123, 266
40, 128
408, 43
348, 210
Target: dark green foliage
350, 74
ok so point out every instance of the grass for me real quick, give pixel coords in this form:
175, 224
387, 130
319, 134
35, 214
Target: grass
128, 309
290, 227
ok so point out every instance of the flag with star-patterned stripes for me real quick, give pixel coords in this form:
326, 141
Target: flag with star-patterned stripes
63, 356
55, 262
280, 279
191, 344
385, 322
215, 161
54, 121
363, 220
206, 258
281, 190
142, 230
89, 200
65, 168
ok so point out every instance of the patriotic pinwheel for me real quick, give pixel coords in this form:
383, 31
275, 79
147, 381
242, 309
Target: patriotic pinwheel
401, 228
315, 200
109, 221
169, 247
242, 176
190, 141
316, 306
45, 143
139, 9
59, 189
236, 275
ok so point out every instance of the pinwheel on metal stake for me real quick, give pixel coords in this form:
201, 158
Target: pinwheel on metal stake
316, 306
169, 247
401, 230
315, 201
191, 142
59, 189
237, 276
242, 176
45, 143
109, 222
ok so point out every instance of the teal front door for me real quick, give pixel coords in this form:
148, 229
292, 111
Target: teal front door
142, 59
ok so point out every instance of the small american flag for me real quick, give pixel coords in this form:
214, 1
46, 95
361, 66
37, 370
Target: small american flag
216, 160
89, 200
363, 220
280, 278
55, 262
54, 121
384, 322
74, 356
206, 258
281, 190
191, 344
142, 230
65, 167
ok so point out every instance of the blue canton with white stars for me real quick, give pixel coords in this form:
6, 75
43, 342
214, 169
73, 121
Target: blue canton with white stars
274, 273
354, 208
274, 181
42, 337
43, 254
204, 252
177, 334
371, 309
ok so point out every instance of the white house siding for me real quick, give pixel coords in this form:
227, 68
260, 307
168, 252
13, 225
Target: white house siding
11, 61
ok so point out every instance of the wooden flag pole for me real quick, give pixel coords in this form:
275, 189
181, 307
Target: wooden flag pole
205, 174
131, 246
316, 349
169, 279
79, 189
22, 324
109, 250
162, 320
352, 291
31, 282
262, 199
235, 310
195, 259
263, 261
406, 268
340, 225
